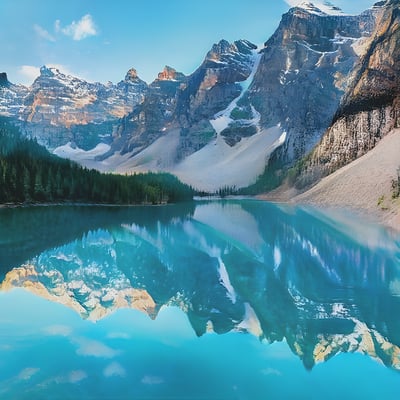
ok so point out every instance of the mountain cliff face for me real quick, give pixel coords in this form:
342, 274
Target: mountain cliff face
370, 108
303, 73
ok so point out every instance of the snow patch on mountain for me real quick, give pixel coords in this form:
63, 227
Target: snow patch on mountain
317, 8
223, 119
74, 153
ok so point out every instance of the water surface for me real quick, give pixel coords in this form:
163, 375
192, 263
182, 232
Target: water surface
212, 300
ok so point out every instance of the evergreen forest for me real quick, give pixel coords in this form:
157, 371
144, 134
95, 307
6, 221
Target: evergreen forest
30, 174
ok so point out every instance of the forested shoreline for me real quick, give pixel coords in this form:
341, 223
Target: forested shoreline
30, 174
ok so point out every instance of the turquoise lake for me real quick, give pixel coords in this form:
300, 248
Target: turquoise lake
236, 299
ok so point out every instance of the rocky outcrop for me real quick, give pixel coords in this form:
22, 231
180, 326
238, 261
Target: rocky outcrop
215, 83
371, 106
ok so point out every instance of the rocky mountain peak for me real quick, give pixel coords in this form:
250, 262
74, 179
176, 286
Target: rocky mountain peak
223, 48
48, 71
3, 79
131, 75
170, 74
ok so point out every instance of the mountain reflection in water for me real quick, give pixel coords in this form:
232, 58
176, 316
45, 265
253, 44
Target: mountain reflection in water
326, 284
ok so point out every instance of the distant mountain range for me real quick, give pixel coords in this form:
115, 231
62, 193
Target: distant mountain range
324, 78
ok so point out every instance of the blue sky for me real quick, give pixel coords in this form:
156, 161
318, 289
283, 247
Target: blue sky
100, 40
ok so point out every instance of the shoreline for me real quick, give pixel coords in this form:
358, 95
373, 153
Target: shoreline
80, 204
387, 216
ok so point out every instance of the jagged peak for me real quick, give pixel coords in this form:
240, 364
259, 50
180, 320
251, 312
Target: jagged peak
224, 47
4, 79
131, 75
170, 74
49, 71
325, 8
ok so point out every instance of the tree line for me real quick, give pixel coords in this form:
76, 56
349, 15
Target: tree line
29, 173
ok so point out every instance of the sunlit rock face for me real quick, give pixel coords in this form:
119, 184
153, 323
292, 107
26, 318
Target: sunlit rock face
57, 103
322, 284
60, 108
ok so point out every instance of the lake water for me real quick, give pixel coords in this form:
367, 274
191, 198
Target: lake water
210, 300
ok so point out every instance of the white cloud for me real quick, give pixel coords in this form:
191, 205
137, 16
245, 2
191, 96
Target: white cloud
58, 330
82, 29
28, 73
94, 348
57, 26
77, 376
27, 373
114, 369
41, 32
271, 371
152, 380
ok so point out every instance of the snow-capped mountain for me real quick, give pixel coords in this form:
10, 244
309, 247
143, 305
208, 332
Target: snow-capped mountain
243, 111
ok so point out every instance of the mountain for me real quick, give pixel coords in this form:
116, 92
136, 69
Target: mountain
303, 73
370, 108
244, 112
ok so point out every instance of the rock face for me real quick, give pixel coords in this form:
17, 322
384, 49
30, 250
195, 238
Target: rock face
210, 90
371, 106
303, 73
